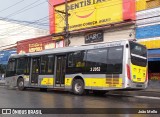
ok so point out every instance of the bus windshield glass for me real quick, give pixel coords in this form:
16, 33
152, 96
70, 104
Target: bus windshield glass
138, 54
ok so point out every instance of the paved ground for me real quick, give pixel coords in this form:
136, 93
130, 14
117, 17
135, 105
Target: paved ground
13, 98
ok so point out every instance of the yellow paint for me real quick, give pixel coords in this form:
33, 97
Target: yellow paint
151, 44
35, 47
47, 81
68, 81
103, 82
98, 82
146, 4
101, 13
25, 76
140, 5
138, 73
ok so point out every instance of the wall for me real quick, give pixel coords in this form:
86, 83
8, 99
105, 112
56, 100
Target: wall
146, 4
148, 34
148, 31
148, 28
120, 33
148, 17
35, 44
4, 55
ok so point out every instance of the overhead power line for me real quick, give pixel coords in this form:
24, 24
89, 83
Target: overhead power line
22, 9
19, 27
11, 6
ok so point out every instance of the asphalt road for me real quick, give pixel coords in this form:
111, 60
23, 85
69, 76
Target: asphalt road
13, 98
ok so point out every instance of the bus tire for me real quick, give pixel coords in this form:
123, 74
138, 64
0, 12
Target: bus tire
20, 84
78, 87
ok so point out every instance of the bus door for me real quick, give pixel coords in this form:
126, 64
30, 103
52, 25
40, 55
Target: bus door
35, 67
60, 70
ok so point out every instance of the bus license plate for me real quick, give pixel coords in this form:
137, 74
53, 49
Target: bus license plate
138, 85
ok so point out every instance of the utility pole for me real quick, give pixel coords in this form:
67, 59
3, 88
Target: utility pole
67, 25
66, 28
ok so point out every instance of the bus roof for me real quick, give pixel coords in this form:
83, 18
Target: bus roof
72, 48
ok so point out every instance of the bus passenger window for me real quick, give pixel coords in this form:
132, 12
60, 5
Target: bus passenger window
80, 64
96, 60
76, 59
114, 61
22, 64
44, 60
47, 64
50, 68
76, 62
11, 68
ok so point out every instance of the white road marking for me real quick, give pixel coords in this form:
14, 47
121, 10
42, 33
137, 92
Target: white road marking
144, 97
147, 97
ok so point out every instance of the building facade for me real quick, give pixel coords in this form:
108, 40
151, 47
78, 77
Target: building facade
148, 34
12, 31
93, 21
35, 44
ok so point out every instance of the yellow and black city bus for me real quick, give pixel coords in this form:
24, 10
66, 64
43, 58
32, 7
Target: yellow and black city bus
119, 65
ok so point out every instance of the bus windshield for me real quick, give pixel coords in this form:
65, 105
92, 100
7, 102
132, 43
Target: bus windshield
138, 54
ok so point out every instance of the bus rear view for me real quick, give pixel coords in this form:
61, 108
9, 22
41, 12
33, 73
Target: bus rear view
137, 66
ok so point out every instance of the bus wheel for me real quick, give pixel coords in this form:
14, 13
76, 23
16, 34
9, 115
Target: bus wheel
78, 87
20, 84
99, 93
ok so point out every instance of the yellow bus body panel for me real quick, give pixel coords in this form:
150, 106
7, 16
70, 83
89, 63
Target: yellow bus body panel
47, 81
138, 73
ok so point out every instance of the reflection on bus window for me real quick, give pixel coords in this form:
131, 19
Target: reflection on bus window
96, 60
115, 59
47, 64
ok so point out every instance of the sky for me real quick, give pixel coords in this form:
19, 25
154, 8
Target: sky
26, 10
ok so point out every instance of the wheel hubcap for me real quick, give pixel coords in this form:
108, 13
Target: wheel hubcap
78, 87
21, 83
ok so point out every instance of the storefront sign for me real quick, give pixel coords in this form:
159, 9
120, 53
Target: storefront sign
58, 38
94, 37
49, 46
154, 76
89, 13
35, 47
35, 44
